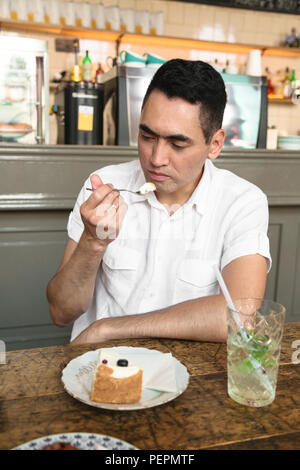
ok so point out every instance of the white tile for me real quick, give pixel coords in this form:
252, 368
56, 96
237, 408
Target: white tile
251, 18
158, 5
171, 29
125, 3
205, 32
206, 15
191, 15
222, 17
175, 14
264, 22
237, 19
141, 5
219, 33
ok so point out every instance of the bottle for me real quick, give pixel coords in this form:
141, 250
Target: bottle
293, 82
287, 89
99, 73
230, 68
278, 85
269, 81
76, 71
217, 66
293, 79
87, 69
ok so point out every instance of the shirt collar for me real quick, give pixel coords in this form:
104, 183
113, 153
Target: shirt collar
199, 197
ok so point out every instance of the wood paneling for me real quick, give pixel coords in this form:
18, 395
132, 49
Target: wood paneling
285, 250
31, 246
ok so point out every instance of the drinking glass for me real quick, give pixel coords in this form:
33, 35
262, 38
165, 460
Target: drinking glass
253, 357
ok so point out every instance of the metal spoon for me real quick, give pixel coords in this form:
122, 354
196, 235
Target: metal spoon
144, 189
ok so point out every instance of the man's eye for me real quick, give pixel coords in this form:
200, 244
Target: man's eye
147, 137
177, 147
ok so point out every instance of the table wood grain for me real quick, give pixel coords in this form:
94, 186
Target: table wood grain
33, 402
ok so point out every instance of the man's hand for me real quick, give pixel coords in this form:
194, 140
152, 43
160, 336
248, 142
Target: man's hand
103, 212
71, 290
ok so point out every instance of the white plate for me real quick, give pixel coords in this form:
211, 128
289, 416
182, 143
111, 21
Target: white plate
153, 66
77, 378
284, 146
15, 132
134, 64
82, 440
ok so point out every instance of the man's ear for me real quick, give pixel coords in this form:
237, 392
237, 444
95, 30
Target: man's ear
216, 144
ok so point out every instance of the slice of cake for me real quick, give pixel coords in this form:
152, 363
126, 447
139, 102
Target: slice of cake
115, 380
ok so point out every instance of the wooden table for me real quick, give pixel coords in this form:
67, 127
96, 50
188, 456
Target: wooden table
33, 402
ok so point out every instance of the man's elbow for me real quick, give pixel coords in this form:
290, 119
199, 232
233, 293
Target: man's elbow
57, 318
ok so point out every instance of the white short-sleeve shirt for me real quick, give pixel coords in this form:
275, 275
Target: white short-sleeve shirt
159, 260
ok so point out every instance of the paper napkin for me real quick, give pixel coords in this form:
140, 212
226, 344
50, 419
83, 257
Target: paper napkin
159, 374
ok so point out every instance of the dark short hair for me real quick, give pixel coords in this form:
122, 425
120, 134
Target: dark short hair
196, 82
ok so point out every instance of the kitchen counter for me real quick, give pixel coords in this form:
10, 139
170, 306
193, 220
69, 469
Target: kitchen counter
39, 185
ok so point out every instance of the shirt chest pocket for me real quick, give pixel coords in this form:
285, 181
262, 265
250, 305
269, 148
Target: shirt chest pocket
119, 272
195, 278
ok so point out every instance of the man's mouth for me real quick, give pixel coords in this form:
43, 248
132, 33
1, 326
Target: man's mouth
155, 175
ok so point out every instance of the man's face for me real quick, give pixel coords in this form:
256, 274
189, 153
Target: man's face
172, 148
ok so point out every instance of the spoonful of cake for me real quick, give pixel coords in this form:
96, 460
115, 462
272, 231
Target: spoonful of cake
144, 189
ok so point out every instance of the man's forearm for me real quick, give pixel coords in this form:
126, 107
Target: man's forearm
202, 319
71, 290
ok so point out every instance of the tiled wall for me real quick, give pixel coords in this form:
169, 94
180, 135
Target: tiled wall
189, 20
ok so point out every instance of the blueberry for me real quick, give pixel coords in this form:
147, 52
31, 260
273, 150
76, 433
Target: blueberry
122, 363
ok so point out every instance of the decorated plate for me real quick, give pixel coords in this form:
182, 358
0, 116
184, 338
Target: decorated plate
77, 378
81, 440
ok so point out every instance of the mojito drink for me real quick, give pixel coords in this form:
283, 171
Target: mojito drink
253, 358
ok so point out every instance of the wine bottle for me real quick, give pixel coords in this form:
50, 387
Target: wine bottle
87, 68
76, 71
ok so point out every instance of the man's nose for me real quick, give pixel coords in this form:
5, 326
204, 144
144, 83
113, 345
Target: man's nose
160, 154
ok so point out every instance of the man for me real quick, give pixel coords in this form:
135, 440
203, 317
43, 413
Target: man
143, 266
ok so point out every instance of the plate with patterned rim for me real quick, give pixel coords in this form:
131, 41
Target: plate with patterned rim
81, 440
77, 378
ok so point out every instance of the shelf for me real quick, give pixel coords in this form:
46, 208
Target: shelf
280, 100
144, 39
